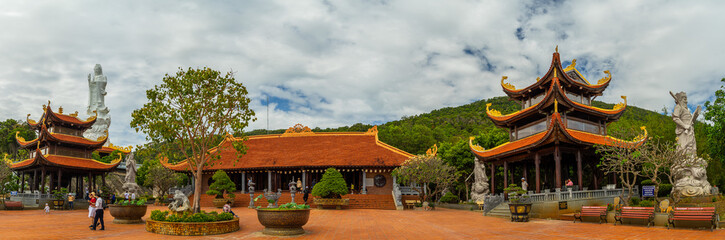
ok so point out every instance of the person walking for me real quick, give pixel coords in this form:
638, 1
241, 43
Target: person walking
113, 198
306, 194
99, 215
126, 195
47, 208
91, 207
71, 199
524, 184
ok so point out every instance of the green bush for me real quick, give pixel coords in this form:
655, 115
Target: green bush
225, 217
634, 201
665, 190
332, 185
646, 182
158, 215
449, 198
646, 203
222, 183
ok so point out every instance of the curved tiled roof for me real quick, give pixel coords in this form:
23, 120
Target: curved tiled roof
65, 161
555, 67
62, 119
555, 125
46, 135
305, 149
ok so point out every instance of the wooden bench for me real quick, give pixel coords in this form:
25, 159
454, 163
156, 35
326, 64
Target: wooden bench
14, 205
704, 214
592, 211
411, 203
646, 213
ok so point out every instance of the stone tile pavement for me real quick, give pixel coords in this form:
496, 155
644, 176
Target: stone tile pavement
348, 224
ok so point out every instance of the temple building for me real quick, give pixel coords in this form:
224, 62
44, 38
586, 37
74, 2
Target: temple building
551, 139
61, 152
272, 161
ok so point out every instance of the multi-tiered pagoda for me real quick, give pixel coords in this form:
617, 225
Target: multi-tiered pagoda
61, 152
557, 126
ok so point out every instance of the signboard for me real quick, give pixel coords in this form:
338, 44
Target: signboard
14, 193
563, 205
648, 191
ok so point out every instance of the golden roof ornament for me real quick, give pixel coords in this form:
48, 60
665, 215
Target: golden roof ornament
475, 146
571, 66
556, 49
93, 117
492, 112
373, 130
621, 105
556, 106
507, 85
75, 114
605, 79
31, 121
432, 151
60, 110
298, 130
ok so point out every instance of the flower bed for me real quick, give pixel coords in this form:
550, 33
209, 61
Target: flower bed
188, 224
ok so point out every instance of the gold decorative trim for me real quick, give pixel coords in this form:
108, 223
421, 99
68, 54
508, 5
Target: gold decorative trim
556, 106
508, 86
621, 105
119, 148
93, 117
20, 139
492, 112
571, 66
475, 147
75, 114
298, 130
31, 121
605, 79
432, 151
373, 130
102, 138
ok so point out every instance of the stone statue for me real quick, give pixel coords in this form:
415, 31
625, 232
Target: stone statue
690, 173
180, 203
130, 168
480, 184
97, 105
251, 184
292, 189
272, 197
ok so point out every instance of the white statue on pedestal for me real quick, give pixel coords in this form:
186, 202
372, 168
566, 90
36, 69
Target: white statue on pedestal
96, 104
690, 173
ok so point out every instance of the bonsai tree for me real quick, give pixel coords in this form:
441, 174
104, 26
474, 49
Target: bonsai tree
426, 170
332, 185
222, 184
60, 194
516, 194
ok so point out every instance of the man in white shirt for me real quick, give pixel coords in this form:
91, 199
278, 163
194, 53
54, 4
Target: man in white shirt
99, 214
125, 195
133, 196
524, 184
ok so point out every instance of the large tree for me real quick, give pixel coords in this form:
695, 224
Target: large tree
624, 160
188, 112
715, 113
6, 178
659, 157
426, 171
161, 179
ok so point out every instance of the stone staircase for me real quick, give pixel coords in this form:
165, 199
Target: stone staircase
502, 210
357, 201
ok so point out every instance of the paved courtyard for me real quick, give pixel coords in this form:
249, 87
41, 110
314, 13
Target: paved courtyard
348, 224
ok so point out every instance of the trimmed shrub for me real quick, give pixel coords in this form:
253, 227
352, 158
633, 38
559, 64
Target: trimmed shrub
634, 201
449, 198
646, 203
222, 184
332, 185
665, 190
164, 216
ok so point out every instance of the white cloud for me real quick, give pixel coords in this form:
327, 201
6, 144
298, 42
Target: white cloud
345, 62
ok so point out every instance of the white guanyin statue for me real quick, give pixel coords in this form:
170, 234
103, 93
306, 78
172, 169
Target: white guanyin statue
96, 104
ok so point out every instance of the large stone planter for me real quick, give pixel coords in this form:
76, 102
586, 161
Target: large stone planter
192, 228
58, 204
127, 214
331, 202
283, 222
219, 202
520, 211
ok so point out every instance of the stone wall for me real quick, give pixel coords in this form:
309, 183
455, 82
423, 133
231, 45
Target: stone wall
192, 229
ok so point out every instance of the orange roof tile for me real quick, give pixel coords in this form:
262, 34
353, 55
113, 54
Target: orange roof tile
65, 161
307, 149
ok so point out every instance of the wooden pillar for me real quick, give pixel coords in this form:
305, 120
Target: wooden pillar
579, 169
505, 174
34, 182
103, 179
537, 161
269, 181
59, 183
557, 165
42, 180
90, 182
244, 182
526, 170
363, 188
22, 182
493, 178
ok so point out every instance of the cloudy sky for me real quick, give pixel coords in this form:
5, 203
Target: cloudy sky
335, 63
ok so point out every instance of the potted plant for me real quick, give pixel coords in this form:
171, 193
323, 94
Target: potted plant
286, 220
128, 211
519, 205
330, 189
222, 185
59, 197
